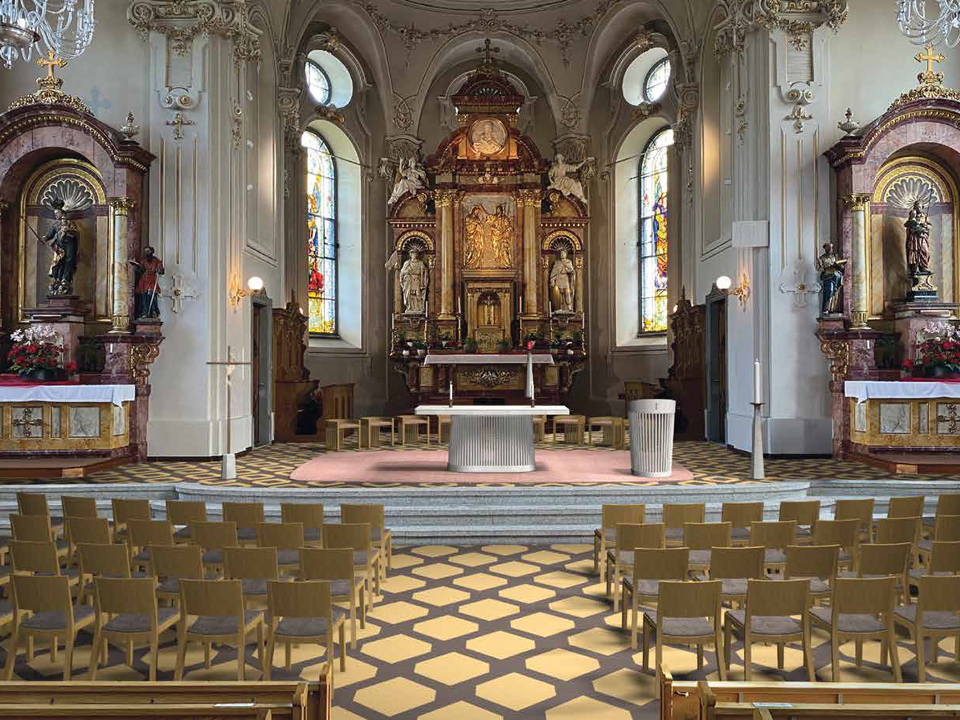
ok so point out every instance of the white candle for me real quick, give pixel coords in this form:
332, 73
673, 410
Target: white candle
458, 305
451, 393
521, 303
756, 382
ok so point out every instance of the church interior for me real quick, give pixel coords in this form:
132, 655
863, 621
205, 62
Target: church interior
455, 359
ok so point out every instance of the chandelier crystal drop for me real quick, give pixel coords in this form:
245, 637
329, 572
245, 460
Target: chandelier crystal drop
930, 22
65, 27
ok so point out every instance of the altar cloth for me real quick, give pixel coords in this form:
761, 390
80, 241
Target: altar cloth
114, 394
864, 390
486, 359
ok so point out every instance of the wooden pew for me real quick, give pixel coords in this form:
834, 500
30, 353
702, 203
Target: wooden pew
276, 700
701, 700
819, 711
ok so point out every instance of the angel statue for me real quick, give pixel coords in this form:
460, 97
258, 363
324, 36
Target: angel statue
560, 179
410, 178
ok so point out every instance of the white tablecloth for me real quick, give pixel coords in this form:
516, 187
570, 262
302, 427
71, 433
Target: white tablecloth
115, 394
492, 410
864, 390
486, 359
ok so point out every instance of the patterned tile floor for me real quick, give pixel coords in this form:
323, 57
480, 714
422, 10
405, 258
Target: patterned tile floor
506, 631
271, 467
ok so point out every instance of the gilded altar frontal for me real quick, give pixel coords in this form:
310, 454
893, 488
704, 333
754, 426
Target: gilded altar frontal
454, 359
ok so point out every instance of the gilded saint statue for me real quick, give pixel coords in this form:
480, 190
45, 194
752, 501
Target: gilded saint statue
63, 239
414, 279
488, 238
501, 236
474, 226
918, 240
831, 269
562, 279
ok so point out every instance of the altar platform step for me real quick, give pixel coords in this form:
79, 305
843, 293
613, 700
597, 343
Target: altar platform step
53, 468
933, 463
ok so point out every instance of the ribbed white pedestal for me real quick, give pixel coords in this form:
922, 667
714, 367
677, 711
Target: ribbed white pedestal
491, 438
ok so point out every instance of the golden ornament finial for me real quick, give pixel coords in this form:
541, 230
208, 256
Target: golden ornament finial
930, 77
50, 63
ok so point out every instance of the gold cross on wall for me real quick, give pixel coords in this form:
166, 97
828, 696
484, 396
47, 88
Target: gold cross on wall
929, 58
177, 124
487, 49
50, 63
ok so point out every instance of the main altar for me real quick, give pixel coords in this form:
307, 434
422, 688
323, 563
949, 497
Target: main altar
489, 241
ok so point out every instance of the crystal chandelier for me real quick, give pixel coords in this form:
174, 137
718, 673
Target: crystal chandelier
65, 27
941, 26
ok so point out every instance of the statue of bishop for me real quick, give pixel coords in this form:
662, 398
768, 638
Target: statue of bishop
414, 278
562, 279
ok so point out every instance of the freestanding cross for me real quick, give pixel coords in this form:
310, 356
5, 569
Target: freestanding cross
929, 58
50, 63
487, 49
228, 467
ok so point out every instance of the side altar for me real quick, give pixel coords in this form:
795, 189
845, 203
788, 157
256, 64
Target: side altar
489, 245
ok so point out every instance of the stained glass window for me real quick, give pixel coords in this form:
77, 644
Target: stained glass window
318, 83
653, 233
656, 81
321, 235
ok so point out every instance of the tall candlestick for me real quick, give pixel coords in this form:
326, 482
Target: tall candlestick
520, 309
451, 393
756, 382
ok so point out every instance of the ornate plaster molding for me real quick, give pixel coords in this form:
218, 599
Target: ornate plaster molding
798, 19
288, 101
184, 20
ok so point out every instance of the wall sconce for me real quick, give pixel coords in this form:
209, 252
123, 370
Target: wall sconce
254, 287
742, 291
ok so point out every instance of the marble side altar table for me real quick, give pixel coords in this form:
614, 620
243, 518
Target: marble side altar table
903, 415
491, 438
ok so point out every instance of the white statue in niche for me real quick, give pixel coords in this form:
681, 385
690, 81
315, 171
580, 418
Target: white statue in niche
562, 279
560, 179
414, 278
410, 178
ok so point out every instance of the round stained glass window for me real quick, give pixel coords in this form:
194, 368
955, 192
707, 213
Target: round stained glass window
656, 81
318, 83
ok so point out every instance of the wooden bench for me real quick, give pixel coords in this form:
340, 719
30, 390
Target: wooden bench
261, 700
707, 700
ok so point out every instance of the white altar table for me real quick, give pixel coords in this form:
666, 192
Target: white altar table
486, 359
863, 390
903, 416
113, 394
491, 438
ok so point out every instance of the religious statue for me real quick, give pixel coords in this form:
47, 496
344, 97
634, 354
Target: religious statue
414, 278
560, 179
831, 269
64, 239
146, 290
562, 278
410, 178
501, 236
918, 240
474, 226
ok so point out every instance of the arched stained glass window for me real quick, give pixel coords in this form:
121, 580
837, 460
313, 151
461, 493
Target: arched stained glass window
321, 235
653, 233
318, 83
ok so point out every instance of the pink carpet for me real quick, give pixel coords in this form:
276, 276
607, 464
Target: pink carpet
430, 466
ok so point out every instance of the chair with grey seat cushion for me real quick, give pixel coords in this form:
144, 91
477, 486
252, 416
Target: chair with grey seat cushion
130, 606
944, 559
336, 566
366, 558
816, 564
380, 535
733, 567
776, 536
144, 534
37, 528
650, 567
247, 515
676, 515
36, 504
860, 609
610, 516
775, 612
220, 618
741, 515
102, 560
301, 612
845, 533
253, 567
182, 514
628, 537
53, 616
938, 604
804, 513
857, 509
170, 564
287, 538
125, 509
946, 529
213, 537
310, 515
881, 560
947, 504
701, 538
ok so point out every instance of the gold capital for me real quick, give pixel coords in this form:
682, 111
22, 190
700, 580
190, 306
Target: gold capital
857, 201
446, 198
122, 205
528, 196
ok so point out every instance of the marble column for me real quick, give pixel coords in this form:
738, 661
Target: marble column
529, 200
445, 199
119, 221
858, 204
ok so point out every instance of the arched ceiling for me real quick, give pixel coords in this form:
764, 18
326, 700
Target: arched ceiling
502, 7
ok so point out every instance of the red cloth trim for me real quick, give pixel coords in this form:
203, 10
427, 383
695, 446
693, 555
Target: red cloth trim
10, 380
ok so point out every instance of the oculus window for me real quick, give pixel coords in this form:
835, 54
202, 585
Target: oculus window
318, 83
655, 83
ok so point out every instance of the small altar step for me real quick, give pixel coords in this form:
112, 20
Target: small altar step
912, 463
56, 467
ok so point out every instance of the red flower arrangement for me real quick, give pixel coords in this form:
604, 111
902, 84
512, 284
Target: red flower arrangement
36, 350
937, 356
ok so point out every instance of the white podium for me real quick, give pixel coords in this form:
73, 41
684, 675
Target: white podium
491, 438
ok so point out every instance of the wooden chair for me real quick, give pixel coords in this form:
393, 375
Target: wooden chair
688, 614
101, 560
310, 515
134, 616
944, 559
906, 506
414, 422
741, 515
444, 423
701, 538
860, 509
573, 426
860, 609
36, 504
171, 563
380, 536
213, 537
945, 529
287, 538
938, 605
676, 515
539, 428
336, 566
37, 528
845, 533
182, 514
883, 559
86, 530
947, 504
253, 567
650, 567
301, 612
817, 564
365, 557
733, 567
776, 536
53, 615
221, 618
371, 427
39, 558
610, 517
143, 534
336, 430
247, 515
612, 429
776, 612
129, 509
898, 530
804, 513
629, 537
79, 506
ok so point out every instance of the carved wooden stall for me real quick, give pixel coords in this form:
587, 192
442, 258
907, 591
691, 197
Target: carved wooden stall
296, 406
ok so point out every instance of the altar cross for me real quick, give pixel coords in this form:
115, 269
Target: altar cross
230, 364
26, 422
487, 49
50, 63
929, 58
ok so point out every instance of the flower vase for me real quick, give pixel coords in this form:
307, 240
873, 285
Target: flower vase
938, 372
